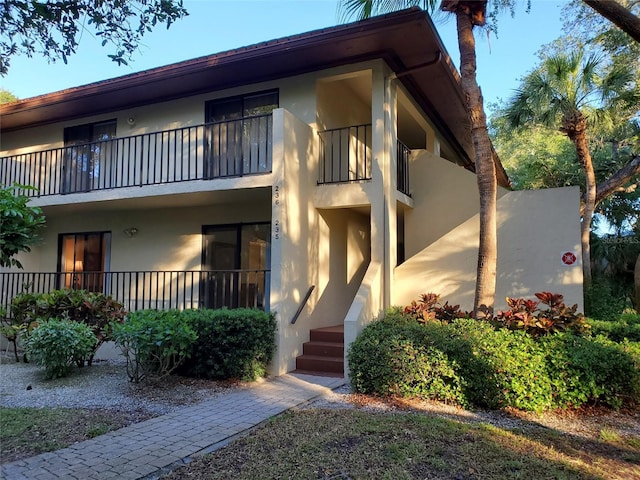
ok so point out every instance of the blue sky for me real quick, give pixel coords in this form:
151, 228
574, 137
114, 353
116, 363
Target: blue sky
218, 25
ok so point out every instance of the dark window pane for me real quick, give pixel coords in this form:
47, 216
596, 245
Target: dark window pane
85, 157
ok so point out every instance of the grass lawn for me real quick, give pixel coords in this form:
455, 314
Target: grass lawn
357, 444
364, 443
25, 432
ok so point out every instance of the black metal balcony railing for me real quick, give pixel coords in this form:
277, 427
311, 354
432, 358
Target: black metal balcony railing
151, 289
403, 168
345, 154
212, 150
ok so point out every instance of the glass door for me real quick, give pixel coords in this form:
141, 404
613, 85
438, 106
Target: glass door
83, 258
235, 265
86, 156
238, 134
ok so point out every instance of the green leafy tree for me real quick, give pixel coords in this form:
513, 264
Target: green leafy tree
537, 157
53, 28
570, 92
6, 96
20, 224
468, 14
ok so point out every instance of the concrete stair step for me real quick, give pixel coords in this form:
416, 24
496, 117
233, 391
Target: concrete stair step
327, 349
333, 334
319, 363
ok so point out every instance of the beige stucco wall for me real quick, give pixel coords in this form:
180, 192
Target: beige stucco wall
296, 94
444, 195
294, 239
338, 105
329, 249
167, 239
535, 228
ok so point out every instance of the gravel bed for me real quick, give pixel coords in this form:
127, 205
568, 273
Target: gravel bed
103, 385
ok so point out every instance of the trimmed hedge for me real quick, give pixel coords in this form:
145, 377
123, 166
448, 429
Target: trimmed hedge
474, 364
236, 343
392, 356
213, 344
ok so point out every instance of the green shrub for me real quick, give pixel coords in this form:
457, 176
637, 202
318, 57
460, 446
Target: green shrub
495, 368
605, 299
236, 343
500, 368
589, 370
154, 342
94, 309
627, 325
391, 357
58, 344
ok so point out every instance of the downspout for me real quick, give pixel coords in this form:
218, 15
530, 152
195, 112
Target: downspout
411, 70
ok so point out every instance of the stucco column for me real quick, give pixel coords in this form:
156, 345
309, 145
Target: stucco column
278, 212
390, 183
378, 164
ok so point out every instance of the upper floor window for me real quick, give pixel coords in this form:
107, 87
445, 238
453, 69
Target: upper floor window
233, 108
238, 134
86, 155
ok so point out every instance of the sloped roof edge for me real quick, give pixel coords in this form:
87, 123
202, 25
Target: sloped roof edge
405, 40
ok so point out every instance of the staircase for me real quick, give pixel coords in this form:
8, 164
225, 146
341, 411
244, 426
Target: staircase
323, 354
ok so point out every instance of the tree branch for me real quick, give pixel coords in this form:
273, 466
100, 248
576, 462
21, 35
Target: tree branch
616, 181
618, 15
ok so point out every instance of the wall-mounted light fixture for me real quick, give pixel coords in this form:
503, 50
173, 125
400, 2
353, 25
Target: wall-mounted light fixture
131, 121
131, 232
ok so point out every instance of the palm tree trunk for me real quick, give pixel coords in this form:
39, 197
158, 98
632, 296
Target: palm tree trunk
485, 169
636, 283
618, 15
577, 134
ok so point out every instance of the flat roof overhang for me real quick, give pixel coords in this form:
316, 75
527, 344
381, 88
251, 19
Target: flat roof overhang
407, 41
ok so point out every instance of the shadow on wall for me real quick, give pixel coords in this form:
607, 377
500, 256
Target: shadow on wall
347, 256
535, 228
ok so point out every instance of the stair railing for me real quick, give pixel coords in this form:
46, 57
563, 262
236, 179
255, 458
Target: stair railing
302, 304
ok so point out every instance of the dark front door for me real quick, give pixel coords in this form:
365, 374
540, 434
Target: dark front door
235, 264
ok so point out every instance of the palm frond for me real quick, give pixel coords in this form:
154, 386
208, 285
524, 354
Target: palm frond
362, 9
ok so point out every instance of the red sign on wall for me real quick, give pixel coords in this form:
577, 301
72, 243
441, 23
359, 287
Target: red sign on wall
569, 258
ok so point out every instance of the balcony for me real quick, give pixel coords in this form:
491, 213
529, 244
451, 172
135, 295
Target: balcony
345, 157
202, 152
151, 289
345, 154
404, 153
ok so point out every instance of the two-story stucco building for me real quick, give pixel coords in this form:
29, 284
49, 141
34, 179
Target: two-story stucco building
324, 176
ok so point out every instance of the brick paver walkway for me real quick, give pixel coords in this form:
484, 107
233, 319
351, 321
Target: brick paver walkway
149, 448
